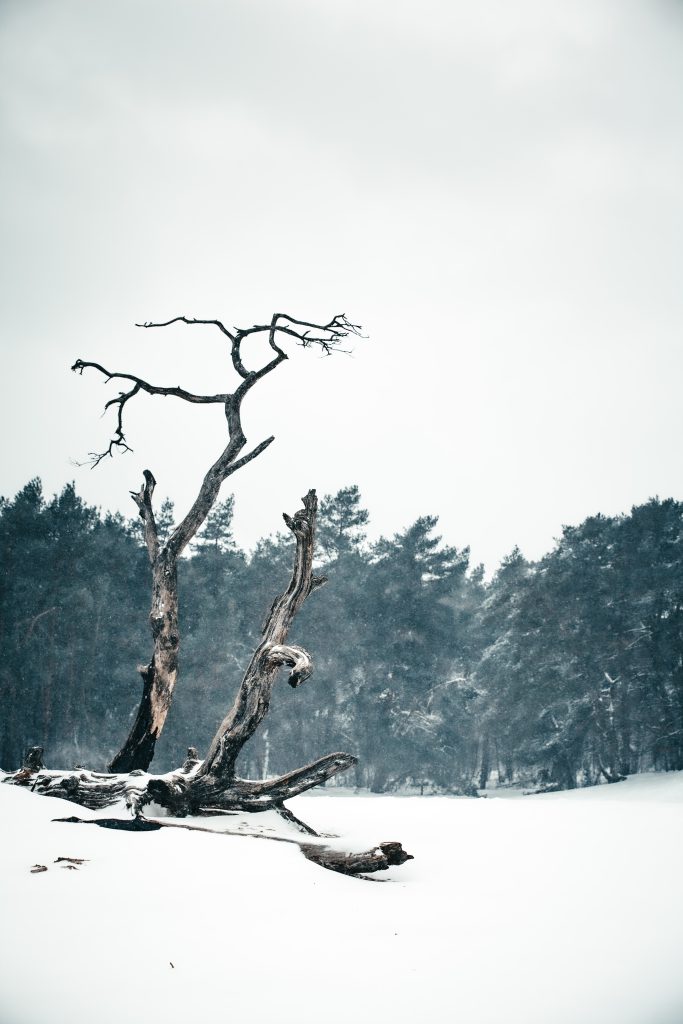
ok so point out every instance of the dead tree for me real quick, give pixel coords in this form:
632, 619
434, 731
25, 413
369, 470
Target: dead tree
160, 674
211, 786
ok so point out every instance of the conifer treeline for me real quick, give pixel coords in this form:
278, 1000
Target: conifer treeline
557, 673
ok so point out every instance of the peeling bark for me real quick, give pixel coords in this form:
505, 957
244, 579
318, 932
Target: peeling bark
253, 699
381, 857
86, 788
174, 791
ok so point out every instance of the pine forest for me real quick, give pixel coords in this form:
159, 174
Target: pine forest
554, 674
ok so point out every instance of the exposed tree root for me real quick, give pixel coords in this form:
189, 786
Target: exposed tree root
181, 792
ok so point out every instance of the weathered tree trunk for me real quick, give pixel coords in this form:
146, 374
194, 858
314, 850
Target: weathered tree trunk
159, 676
173, 790
211, 785
96, 791
86, 788
253, 699
214, 783
381, 857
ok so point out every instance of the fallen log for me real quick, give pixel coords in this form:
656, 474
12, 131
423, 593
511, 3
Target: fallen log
379, 858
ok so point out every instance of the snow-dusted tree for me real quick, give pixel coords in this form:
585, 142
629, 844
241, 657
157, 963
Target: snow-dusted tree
211, 784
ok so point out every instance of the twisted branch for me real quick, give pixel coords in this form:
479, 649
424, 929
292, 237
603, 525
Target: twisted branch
253, 699
327, 336
118, 441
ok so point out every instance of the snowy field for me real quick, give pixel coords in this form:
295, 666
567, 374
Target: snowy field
560, 909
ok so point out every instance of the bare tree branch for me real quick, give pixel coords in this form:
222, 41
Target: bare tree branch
224, 467
327, 336
190, 320
119, 439
234, 337
143, 500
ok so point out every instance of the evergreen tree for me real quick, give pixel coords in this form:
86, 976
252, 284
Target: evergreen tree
341, 524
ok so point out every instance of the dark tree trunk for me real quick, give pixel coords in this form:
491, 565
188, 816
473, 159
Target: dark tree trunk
485, 763
210, 785
214, 783
159, 676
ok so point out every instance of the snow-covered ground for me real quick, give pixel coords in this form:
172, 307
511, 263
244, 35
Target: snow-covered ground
559, 909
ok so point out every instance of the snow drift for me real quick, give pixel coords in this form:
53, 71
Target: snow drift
558, 909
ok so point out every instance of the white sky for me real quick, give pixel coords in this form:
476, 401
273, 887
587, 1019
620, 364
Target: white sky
494, 190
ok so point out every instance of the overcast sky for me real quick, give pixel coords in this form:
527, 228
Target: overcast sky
493, 190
